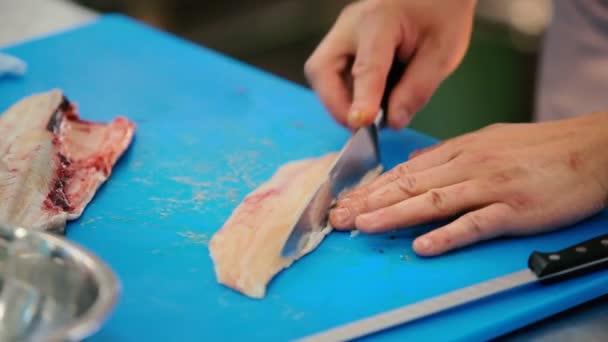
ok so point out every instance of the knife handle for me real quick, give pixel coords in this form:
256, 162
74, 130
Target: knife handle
394, 76
584, 257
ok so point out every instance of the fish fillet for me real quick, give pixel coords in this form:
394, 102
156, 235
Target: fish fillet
52, 163
246, 251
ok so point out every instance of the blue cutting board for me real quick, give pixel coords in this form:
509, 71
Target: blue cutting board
209, 129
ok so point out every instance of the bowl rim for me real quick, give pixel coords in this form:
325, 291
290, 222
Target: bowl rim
108, 284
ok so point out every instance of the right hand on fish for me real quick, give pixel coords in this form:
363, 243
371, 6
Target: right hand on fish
430, 35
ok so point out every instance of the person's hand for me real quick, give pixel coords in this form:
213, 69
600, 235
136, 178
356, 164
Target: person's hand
431, 36
507, 179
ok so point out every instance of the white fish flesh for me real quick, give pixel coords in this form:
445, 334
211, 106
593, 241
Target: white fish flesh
246, 251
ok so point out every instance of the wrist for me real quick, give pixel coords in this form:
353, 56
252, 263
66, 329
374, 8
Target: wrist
598, 123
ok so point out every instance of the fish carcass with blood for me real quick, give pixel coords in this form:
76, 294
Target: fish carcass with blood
246, 251
52, 162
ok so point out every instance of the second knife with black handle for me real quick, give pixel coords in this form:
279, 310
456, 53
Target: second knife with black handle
544, 268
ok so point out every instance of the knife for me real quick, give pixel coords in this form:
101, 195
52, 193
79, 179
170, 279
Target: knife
359, 156
543, 268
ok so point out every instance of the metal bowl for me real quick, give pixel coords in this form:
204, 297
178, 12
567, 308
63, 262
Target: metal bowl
51, 289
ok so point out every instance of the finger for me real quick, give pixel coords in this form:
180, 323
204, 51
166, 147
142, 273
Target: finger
377, 40
401, 188
421, 151
441, 154
429, 66
334, 95
410, 185
433, 205
478, 225
326, 66
443, 151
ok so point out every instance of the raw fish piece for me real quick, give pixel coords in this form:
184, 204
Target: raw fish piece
51, 162
246, 251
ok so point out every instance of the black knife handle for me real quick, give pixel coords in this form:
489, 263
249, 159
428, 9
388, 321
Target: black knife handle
581, 258
394, 76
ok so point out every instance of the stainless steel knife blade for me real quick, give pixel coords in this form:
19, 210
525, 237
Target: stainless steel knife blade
421, 309
358, 157
544, 268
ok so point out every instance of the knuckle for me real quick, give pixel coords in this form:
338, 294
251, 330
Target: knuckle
360, 204
476, 225
349, 9
443, 239
416, 153
402, 170
467, 138
501, 178
447, 58
482, 157
363, 67
371, 8
419, 95
494, 126
437, 199
406, 182
356, 203
575, 161
520, 201
447, 63
311, 67
444, 63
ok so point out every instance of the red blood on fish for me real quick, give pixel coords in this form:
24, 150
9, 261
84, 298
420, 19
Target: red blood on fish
57, 161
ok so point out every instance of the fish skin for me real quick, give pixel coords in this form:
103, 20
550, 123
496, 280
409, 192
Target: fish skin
52, 162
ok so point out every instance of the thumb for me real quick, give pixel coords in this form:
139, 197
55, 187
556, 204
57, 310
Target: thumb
375, 52
430, 65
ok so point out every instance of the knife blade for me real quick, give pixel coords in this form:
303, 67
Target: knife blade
359, 156
543, 268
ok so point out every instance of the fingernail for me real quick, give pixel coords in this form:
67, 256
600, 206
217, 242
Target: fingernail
354, 118
402, 118
340, 215
423, 244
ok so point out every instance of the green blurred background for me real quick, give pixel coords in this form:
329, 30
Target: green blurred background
495, 82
